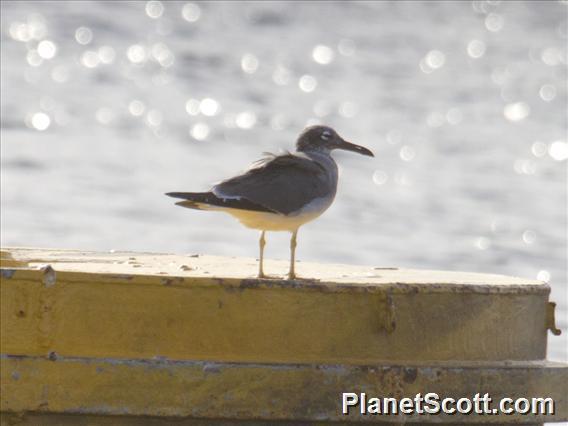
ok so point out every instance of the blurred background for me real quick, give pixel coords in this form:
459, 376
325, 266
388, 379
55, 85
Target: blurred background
107, 105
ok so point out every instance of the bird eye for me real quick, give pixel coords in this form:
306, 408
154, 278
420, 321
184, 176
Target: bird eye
326, 135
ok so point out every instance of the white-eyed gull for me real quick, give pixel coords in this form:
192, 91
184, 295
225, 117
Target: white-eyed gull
280, 192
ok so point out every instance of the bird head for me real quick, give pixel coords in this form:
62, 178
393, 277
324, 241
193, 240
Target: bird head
325, 139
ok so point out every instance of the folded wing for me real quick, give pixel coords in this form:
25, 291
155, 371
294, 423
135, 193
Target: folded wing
283, 184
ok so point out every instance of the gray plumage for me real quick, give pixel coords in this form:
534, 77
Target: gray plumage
280, 192
283, 183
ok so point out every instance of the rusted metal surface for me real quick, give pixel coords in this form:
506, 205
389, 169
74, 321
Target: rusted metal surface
265, 391
551, 319
176, 336
230, 319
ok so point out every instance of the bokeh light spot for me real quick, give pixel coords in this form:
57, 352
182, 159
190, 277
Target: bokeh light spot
433, 60
380, 177
516, 111
558, 150
539, 149
106, 54
162, 54
249, 63
154, 118
407, 153
476, 48
90, 59
199, 131
46, 49
551, 56
482, 243
307, 83
494, 22
323, 54
19, 31
190, 12
547, 92
245, 120
104, 115
40, 121
154, 9
209, 107
529, 236
137, 54
136, 108
83, 35
524, 166
33, 58
543, 275
192, 106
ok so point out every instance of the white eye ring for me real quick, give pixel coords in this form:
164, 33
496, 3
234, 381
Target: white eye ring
326, 135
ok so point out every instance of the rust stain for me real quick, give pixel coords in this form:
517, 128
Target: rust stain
49, 277
410, 374
7, 273
551, 319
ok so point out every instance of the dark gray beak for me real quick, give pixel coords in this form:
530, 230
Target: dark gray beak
348, 146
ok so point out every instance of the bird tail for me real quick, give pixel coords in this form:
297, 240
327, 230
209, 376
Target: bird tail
196, 200
210, 201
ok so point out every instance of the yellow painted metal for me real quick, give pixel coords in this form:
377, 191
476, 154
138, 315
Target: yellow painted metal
259, 391
352, 315
165, 335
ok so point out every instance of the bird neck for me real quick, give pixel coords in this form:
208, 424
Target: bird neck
325, 159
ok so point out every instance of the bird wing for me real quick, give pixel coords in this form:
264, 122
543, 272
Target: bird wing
283, 183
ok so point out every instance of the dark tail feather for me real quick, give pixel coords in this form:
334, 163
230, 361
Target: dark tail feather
192, 200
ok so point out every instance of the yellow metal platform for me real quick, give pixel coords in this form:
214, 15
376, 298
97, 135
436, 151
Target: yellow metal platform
147, 336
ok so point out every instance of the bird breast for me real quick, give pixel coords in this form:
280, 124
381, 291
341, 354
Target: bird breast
280, 222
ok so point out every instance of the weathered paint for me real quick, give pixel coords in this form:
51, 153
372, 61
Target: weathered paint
341, 316
265, 391
201, 337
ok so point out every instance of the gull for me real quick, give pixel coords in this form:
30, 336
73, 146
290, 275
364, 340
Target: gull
280, 192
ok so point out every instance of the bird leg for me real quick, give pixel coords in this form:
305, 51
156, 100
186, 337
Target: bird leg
292, 273
261, 243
